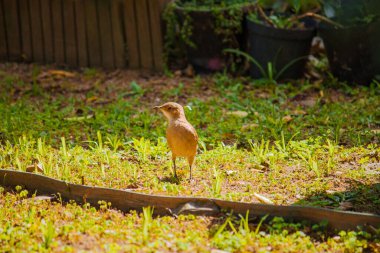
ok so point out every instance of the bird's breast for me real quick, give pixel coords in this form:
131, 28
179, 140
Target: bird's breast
182, 138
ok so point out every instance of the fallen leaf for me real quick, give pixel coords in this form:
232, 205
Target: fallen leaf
249, 127
298, 112
230, 172
218, 251
346, 206
91, 99
61, 73
287, 118
35, 168
263, 199
189, 71
240, 114
178, 73
79, 118
40, 198
228, 136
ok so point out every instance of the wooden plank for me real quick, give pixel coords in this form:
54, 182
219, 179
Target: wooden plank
47, 32
70, 33
81, 34
26, 30
126, 200
130, 25
106, 38
145, 40
155, 10
3, 35
58, 35
119, 40
37, 37
12, 29
92, 33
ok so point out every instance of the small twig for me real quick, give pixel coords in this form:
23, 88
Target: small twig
316, 16
264, 16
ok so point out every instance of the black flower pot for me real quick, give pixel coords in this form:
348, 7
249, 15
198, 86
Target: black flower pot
280, 47
353, 51
206, 54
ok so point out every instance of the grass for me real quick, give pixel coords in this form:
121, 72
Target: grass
44, 226
303, 143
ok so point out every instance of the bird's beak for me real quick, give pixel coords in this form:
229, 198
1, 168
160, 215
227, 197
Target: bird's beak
157, 107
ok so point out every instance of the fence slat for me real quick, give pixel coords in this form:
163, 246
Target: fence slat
12, 29
93, 45
58, 36
97, 33
145, 41
155, 8
25, 33
118, 34
37, 37
106, 39
47, 30
70, 33
3, 35
81, 34
130, 25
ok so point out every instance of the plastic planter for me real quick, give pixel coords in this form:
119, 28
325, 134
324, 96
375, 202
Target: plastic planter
352, 52
279, 47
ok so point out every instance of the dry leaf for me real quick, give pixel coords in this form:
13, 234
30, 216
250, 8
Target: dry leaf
218, 251
249, 127
230, 172
91, 99
35, 168
298, 112
263, 199
79, 118
346, 206
240, 114
178, 73
61, 73
287, 118
228, 136
189, 71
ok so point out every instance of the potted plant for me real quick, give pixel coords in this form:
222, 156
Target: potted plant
353, 45
280, 35
202, 29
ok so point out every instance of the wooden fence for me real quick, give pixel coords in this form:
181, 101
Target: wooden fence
83, 33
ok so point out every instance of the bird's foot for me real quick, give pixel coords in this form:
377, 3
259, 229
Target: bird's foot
175, 179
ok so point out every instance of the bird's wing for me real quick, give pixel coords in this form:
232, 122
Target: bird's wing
182, 130
186, 129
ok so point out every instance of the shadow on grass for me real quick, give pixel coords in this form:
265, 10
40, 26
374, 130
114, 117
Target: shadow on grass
170, 179
359, 198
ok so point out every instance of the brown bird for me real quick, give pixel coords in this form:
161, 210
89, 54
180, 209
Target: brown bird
181, 135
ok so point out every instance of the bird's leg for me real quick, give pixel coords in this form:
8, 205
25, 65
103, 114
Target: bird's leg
191, 161
174, 167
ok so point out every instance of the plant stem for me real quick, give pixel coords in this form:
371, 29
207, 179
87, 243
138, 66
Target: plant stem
264, 16
316, 16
